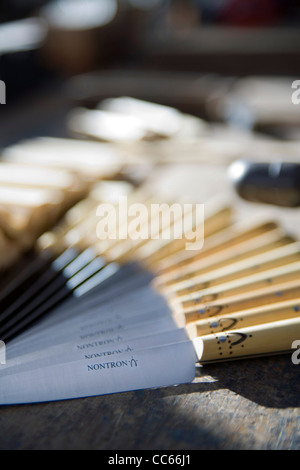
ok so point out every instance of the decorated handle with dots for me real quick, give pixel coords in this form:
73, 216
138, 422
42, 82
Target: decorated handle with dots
259, 340
246, 318
261, 297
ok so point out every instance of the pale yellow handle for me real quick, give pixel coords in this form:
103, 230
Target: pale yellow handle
228, 237
246, 284
154, 251
281, 256
266, 339
245, 318
257, 245
236, 303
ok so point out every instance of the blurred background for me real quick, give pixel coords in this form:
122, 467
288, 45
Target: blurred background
194, 55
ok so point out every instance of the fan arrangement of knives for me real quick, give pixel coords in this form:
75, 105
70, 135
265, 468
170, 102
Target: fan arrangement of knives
239, 293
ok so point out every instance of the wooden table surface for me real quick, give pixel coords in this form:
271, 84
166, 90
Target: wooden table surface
249, 404
246, 404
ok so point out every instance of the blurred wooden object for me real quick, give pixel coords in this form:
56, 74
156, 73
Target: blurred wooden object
82, 35
190, 92
224, 50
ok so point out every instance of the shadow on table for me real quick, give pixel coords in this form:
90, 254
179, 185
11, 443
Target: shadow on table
271, 382
187, 416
